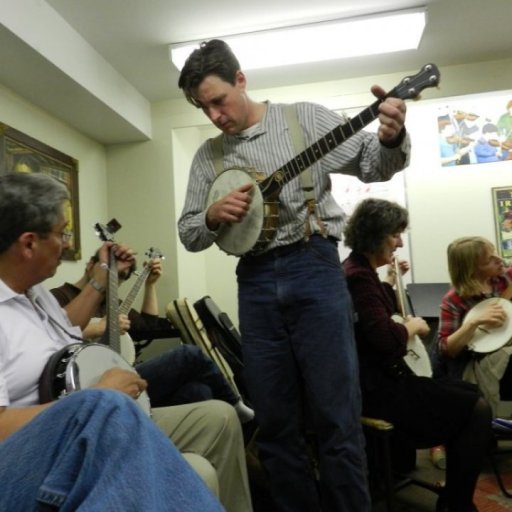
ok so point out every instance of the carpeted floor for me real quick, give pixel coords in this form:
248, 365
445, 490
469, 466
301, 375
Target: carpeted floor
488, 496
412, 498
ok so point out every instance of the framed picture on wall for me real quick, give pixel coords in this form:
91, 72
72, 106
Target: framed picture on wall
22, 153
502, 204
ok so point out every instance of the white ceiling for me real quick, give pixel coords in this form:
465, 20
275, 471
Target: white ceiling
133, 37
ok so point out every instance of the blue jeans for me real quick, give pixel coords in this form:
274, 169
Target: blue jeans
96, 450
184, 375
301, 367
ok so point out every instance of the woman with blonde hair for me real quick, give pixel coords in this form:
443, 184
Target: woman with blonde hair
476, 273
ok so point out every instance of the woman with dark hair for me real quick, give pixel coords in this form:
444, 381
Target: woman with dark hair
425, 412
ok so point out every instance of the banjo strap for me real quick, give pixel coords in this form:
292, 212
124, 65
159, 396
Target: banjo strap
306, 177
218, 153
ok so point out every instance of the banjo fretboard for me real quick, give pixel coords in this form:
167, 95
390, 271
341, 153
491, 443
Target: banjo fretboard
408, 88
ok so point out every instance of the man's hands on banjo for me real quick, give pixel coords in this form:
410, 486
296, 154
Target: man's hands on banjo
231, 208
125, 381
391, 116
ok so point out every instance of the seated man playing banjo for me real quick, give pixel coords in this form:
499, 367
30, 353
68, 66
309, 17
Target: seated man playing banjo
33, 327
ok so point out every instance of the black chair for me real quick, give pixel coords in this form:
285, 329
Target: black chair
501, 446
425, 298
146, 338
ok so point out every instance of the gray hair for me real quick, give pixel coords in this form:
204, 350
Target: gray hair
29, 202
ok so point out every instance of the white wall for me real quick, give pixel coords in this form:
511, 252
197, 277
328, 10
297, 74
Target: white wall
448, 202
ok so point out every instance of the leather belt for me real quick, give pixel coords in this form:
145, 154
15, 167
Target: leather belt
284, 250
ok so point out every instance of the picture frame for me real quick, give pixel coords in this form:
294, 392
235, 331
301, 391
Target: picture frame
502, 206
21, 153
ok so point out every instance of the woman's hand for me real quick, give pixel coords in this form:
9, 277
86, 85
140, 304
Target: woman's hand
415, 325
492, 317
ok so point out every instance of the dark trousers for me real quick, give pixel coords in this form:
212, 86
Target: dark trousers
184, 375
296, 323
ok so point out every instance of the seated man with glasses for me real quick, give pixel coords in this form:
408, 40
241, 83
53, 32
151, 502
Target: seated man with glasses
33, 327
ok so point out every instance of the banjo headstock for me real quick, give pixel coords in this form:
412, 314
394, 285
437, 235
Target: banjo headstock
106, 231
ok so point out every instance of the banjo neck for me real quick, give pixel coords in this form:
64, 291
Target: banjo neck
132, 294
112, 335
272, 186
403, 305
408, 88
125, 306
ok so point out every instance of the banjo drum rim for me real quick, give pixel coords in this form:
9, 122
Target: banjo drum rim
236, 230
71, 367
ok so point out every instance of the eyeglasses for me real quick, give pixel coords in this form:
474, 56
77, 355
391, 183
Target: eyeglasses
65, 235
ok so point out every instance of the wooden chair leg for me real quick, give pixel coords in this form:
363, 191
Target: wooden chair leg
378, 434
388, 475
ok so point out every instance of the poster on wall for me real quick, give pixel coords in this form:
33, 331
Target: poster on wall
476, 132
502, 203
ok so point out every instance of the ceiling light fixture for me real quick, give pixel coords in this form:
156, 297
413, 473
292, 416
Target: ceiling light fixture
328, 40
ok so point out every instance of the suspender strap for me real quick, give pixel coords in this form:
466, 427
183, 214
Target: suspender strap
218, 153
306, 177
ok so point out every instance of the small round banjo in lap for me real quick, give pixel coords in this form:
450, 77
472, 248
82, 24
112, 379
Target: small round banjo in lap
258, 228
80, 365
489, 339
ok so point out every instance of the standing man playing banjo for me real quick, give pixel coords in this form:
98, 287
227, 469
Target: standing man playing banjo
294, 308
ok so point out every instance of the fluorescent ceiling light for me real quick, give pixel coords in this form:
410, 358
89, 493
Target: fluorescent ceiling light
315, 42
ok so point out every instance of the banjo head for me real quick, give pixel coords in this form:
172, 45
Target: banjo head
416, 358
238, 238
490, 339
88, 363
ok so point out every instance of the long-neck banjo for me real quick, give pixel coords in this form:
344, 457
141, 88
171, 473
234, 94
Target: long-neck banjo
81, 365
417, 357
259, 226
